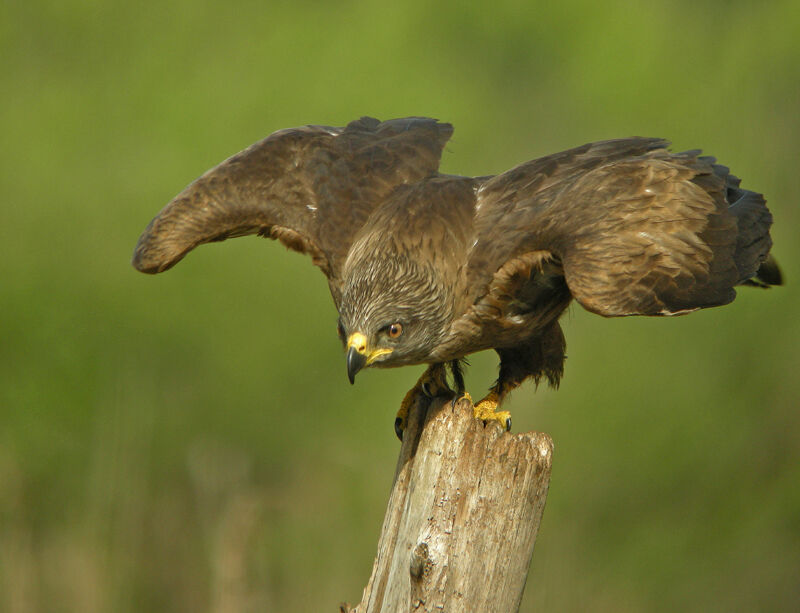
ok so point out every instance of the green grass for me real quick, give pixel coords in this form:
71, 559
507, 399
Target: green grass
189, 442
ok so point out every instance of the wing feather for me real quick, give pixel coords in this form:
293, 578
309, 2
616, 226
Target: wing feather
312, 188
637, 230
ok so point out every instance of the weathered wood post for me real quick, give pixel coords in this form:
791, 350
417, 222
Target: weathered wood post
462, 517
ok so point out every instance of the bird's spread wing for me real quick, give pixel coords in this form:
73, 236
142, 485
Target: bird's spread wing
634, 229
312, 188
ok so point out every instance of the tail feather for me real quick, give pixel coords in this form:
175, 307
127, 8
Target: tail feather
753, 220
768, 274
753, 241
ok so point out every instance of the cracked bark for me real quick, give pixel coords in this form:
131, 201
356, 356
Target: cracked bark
462, 518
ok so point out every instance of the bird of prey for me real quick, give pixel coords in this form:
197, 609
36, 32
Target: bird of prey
427, 268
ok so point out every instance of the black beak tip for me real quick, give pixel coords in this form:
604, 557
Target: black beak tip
355, 362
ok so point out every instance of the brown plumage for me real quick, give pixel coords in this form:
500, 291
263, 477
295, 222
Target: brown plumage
428, 268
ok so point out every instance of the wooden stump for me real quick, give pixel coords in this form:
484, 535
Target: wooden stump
462, 517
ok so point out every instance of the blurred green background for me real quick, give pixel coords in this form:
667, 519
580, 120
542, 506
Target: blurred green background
189, 442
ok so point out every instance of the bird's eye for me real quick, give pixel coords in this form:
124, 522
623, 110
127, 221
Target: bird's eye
394, 330
340, 329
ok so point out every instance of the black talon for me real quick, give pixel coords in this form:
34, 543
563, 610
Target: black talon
508, 424
426, 389
397, 429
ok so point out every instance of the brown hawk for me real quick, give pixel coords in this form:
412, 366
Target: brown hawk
426, 268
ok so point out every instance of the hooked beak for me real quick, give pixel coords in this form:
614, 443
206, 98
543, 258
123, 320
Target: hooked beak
359, 355
355, 362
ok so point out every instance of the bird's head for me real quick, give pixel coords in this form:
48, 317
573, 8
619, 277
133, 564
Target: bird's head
393, 312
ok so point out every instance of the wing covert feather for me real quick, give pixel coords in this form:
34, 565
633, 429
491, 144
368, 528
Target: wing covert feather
638, 230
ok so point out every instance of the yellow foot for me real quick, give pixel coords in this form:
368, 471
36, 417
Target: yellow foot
486, 411
431, 384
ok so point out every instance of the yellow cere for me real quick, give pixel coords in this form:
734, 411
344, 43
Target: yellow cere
359, 342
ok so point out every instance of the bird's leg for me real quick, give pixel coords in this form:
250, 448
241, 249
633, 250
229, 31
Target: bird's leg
457, 368
432, 383
540, 358
514, 369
